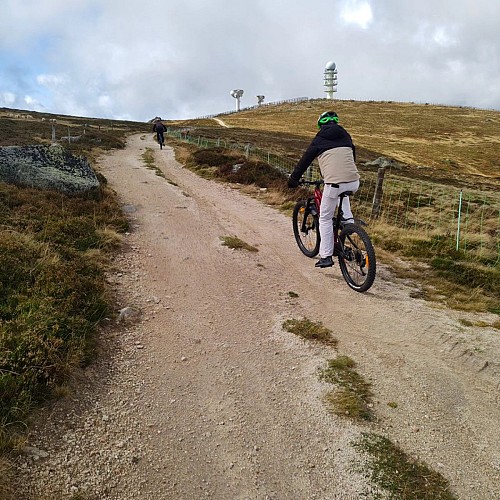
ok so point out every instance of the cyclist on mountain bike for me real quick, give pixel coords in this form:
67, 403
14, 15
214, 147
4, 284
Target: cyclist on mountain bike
160, 129
336, 155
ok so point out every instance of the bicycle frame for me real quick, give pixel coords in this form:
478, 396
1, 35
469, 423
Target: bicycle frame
316, 198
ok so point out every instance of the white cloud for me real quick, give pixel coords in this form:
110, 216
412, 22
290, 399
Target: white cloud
358, 13
52, 80
33, 103
7, 99
442, 37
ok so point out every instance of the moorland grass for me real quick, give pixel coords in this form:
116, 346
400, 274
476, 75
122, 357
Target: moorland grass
310, 330
401, 476
352, 396
451, 140
53, 254
149, 161
237, 244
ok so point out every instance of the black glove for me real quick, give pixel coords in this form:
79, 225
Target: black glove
292, 183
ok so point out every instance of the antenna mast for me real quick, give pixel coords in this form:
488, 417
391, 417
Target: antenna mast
237, 93
330, 79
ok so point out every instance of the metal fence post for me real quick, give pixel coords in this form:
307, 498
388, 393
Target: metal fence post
459, 217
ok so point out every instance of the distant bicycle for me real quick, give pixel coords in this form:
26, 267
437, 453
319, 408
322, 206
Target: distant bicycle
160, 139
352, 245
160, 129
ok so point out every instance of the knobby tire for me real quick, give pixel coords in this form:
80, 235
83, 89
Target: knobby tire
306, 235
357, 258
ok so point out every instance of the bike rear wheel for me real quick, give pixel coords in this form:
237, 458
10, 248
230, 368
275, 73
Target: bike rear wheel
357, 258
306, 229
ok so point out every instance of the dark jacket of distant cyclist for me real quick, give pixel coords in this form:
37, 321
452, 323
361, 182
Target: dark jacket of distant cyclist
159, 128
336, 154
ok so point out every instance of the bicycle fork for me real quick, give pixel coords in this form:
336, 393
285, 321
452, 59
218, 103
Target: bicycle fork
310, 208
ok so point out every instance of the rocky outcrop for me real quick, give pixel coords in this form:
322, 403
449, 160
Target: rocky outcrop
382, 161
46, 167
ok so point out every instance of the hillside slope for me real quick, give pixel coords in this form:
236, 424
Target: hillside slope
443, 141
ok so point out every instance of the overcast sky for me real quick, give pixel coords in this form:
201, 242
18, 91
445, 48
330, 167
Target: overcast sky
131, 59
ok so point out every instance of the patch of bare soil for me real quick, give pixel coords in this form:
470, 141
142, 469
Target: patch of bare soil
199, 392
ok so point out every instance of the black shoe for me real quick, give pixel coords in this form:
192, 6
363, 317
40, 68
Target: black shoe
324, 262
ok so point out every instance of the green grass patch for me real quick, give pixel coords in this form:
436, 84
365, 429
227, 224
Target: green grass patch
225, 165
353, 396
251, 172
400, 475
310, 330
148, 157
466, 273
237, 244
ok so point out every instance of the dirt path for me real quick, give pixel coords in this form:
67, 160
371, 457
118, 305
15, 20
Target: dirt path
204, 394
221, 123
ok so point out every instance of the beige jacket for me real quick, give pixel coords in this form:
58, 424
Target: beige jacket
337, 166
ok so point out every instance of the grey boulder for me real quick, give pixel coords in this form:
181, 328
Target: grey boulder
46, 167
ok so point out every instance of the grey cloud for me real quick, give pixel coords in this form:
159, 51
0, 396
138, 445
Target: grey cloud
184, 58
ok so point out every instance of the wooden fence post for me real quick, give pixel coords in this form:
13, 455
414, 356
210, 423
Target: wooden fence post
377, 196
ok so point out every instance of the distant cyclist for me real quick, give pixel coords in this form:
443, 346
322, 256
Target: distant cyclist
336, 154
160, 129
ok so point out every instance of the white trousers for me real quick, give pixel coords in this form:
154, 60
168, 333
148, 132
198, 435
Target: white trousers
329, 203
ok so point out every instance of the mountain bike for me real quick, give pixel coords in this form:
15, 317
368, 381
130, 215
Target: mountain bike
160, 139
352, 245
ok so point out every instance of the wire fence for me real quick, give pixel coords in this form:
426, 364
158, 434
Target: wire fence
468, 222
261, 105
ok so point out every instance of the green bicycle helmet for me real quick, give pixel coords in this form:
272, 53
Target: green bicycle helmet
327, 117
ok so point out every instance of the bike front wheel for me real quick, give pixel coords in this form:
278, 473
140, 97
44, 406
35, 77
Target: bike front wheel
306, 229
357, 258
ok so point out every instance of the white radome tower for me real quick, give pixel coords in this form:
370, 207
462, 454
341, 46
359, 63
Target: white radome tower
330, 79
237, 93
